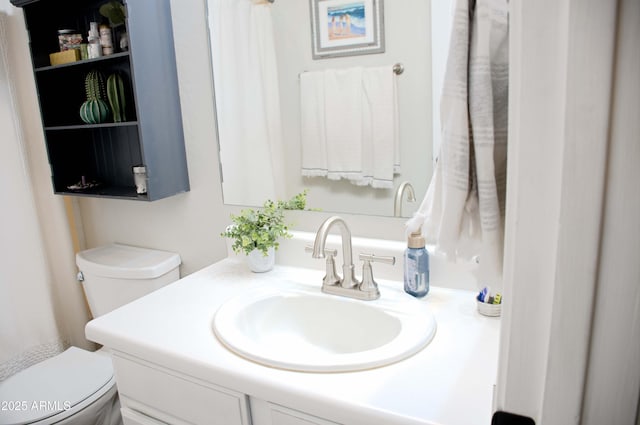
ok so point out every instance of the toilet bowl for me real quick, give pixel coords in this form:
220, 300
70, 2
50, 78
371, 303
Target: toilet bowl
78, 387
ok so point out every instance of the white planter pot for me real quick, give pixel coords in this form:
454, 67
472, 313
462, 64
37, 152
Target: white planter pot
258, 263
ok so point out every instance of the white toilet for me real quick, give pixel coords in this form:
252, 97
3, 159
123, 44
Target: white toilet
78, 386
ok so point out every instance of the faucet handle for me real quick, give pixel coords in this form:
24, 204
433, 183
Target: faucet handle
331, 276
369, 285
328, 252
377, 259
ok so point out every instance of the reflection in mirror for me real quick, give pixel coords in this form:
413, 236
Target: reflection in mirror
259, 50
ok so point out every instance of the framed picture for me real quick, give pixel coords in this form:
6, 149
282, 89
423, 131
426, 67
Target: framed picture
346, 27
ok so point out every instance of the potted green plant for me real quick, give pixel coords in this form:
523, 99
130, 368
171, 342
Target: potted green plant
116, 13
255, 232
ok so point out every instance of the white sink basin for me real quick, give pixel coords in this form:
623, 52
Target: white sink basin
306, 330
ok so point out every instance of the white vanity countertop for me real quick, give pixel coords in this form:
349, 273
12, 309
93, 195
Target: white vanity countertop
449, 382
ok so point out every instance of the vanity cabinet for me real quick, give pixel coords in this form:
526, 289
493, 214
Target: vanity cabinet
151, 394
101, 156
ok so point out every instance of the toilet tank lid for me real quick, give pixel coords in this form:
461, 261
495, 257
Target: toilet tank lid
53, 385
126, 262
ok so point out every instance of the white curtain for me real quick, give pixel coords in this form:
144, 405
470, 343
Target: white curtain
463, 210
247, 100
29, 331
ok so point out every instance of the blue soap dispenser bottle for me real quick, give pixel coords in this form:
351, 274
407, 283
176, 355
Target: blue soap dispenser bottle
416, 266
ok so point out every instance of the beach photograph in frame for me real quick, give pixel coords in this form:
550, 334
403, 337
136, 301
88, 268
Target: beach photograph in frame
346, 27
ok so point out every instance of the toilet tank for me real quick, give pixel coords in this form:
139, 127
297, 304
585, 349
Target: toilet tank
114, 275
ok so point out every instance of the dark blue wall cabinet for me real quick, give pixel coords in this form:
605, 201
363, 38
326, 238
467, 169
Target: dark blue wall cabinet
97, 159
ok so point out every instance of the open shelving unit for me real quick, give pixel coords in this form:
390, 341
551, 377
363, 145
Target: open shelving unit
105, 153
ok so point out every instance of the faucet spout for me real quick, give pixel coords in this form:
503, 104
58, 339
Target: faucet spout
411, 197
348, 280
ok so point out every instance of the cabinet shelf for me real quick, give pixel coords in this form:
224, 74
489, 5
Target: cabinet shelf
84, 62
87, 126
119, 192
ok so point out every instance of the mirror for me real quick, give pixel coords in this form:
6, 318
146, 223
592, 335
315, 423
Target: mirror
407, 33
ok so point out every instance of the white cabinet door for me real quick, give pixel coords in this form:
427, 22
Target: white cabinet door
265, 413
130, 417
174, 398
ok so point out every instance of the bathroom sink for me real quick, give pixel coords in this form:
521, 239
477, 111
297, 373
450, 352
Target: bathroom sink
306, 330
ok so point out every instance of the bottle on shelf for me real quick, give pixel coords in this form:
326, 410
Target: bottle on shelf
106, 40
94, 48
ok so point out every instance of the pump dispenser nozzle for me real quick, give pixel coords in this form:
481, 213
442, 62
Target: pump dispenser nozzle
416, 240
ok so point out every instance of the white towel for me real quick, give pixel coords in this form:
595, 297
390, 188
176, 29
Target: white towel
343, 120
349, 125
463, 210
312, 125
381, 147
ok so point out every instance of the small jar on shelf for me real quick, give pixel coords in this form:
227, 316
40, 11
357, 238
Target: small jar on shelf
106, 40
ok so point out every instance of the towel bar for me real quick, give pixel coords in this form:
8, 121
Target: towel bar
397, 69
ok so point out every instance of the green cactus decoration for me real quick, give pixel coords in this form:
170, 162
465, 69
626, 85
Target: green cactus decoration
115, 94
95, 110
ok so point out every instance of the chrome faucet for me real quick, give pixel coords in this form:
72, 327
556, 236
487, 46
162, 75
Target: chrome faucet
348, 286
397, 204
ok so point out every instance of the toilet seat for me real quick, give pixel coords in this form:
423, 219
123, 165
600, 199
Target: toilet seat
56, 388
